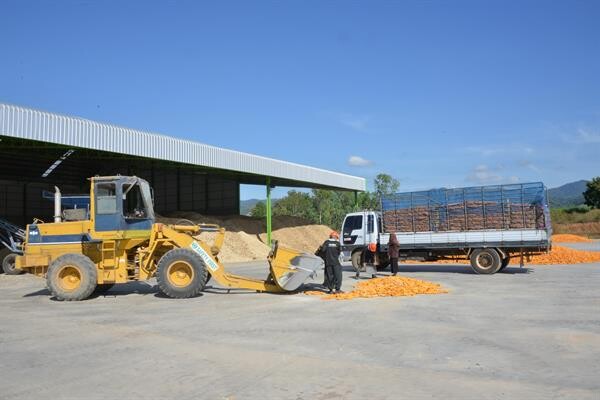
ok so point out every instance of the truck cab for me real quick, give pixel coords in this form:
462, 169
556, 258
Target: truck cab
358, 230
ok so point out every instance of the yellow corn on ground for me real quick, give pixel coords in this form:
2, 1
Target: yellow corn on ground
385, 287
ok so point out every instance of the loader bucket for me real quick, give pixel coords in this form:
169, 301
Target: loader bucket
291, 268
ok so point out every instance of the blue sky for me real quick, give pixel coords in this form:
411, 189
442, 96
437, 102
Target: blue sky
437, 93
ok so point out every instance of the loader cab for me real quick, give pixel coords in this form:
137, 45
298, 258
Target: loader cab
121, 203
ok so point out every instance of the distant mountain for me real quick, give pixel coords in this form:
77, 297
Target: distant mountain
247, 205
568, 195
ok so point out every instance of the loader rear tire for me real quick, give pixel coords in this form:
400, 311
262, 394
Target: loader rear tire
485, 261
72, 277
181, 274
8, 265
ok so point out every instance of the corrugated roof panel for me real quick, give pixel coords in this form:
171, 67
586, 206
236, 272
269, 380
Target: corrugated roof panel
42, 126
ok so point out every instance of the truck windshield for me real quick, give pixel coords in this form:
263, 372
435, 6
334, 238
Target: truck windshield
352, 223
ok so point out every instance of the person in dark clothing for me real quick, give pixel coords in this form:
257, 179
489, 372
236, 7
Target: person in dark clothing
393, 252
330, 253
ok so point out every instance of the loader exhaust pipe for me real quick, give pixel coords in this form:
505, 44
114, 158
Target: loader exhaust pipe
57, 205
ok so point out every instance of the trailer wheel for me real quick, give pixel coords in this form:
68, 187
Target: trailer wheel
505, 262
8, 265
485, 261
72, 277
181, 274
356, 256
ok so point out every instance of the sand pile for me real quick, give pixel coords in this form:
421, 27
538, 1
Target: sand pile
570, 238
245, 237
390, 286
306, 237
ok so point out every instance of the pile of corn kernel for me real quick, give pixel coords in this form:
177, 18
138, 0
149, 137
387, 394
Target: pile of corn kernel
390, 286
569, 238
561, 255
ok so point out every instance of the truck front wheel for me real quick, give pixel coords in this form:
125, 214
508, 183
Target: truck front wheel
485, 261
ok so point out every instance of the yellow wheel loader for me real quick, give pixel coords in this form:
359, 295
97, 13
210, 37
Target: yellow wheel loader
115, 239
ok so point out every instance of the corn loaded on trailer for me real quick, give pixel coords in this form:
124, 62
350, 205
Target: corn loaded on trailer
116, 240
487, 225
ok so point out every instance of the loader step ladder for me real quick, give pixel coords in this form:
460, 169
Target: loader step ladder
109, 253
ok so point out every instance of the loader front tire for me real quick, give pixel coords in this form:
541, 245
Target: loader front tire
72, 277
181, 274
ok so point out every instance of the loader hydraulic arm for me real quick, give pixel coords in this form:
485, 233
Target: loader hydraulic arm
179, 237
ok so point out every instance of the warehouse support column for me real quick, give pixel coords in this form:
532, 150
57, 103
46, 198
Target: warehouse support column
268, 210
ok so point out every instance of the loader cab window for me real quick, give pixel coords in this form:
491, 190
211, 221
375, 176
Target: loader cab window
106, 198
134, 203
352, 223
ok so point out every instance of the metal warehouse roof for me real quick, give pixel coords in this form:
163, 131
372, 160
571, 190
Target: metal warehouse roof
43, 126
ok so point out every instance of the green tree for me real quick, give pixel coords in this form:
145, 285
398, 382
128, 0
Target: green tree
324, 203
592, 193
259, 210
385, 184
296, 204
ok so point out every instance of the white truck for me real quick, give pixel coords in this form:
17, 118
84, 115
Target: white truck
486, 225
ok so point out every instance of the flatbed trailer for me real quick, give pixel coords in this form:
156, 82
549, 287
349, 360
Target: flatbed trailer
486, 225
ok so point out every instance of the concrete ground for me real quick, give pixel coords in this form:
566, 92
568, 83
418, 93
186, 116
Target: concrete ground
526, 333
587, 246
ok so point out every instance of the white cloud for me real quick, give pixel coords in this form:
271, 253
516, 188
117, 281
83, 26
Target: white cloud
529, 165
484, 175
492, 150
356, 161
356, 122
586, 137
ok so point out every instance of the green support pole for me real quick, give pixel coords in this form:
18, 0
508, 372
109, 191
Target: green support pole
268, 211
355, 200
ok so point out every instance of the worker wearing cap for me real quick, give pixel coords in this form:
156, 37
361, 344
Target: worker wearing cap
330, 252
